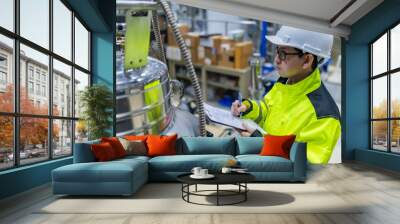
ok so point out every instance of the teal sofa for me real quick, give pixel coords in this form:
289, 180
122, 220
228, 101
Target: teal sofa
125, 176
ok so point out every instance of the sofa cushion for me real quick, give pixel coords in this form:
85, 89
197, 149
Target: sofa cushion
83, 152
249, 145
112, 171
103, 152
134, 147
116, 145
277, 145
161, 145
257, 163
185, 163
206, 145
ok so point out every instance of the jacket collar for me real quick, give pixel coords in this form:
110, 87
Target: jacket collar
307, 85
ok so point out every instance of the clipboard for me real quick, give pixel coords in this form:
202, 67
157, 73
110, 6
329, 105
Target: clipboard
225, 117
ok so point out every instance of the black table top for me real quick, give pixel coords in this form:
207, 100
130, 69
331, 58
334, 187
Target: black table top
220, 178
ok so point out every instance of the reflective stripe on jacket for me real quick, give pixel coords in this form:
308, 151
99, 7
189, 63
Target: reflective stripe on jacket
305, 109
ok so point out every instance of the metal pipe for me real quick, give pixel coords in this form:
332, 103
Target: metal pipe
188, 64
157, 35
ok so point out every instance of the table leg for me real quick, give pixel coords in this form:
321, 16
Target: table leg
188, 190
245, 191
217, 194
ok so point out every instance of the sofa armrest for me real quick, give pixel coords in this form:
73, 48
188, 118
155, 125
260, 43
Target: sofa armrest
298, 155
83, 152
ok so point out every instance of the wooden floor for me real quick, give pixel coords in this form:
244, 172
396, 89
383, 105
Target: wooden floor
378, 188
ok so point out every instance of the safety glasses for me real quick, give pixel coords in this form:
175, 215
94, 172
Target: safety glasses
283, 54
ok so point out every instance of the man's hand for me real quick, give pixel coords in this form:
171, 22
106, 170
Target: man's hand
248, 131
237, 107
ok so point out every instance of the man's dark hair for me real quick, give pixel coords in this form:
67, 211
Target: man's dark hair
315, 60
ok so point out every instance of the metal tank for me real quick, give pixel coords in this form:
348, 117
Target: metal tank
143, 98
143, 88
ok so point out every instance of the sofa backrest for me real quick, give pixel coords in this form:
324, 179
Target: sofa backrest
206, 145
249, 145
83, 152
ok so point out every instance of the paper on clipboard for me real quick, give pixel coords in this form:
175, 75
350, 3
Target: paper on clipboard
223, 117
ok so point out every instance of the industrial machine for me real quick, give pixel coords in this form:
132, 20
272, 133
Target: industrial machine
144, 88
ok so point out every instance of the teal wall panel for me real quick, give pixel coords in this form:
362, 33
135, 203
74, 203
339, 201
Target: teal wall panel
377, 158
24, 178
355, 76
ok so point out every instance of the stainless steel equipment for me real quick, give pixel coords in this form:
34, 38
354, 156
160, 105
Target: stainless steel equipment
144, 90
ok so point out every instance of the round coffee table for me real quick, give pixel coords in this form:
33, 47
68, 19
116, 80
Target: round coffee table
238, 179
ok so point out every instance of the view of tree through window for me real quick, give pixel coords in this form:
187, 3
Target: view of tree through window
385, 97
44, 112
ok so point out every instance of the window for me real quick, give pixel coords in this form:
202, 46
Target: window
385, 97
54, 129
7, 141
62, 75
81, 45
35, 22
7, 14
81, 81
43, 90
3, 61
3, 72
6, 73
30, 87
62, 140
3, 78
37, 74
38, 89
62, 29
30, 72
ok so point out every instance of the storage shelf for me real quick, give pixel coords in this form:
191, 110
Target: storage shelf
241, 75
216, 84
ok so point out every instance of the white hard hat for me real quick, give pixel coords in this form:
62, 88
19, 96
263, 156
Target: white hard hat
319, 44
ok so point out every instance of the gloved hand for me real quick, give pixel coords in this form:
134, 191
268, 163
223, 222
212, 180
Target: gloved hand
238, 107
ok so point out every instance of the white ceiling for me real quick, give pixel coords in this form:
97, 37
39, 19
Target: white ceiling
324, 16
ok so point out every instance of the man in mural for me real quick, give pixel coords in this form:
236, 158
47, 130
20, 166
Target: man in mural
299, 103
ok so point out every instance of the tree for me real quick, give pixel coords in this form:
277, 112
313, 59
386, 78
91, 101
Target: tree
380, 127
33, 130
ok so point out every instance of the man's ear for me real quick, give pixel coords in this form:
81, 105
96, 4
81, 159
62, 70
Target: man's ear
308, 61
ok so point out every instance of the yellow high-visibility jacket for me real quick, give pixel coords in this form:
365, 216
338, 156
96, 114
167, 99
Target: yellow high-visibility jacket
305, 109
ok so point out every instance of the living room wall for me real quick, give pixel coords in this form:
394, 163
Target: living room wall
355, 78
100, 17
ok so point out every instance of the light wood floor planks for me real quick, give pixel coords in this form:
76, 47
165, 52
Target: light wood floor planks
377, 188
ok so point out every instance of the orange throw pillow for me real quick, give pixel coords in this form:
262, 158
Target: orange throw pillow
116, 145
161, 145
103, 152
277, 145
136, 137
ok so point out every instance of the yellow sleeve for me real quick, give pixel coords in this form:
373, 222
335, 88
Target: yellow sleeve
257, 111
321, 137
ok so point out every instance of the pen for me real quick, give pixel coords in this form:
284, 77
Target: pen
240, 102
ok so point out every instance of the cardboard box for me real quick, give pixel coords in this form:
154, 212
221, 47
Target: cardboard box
227, 44
183, 28
192, 41
216, 43
238, 56
210, 55
227, 58
243, 51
